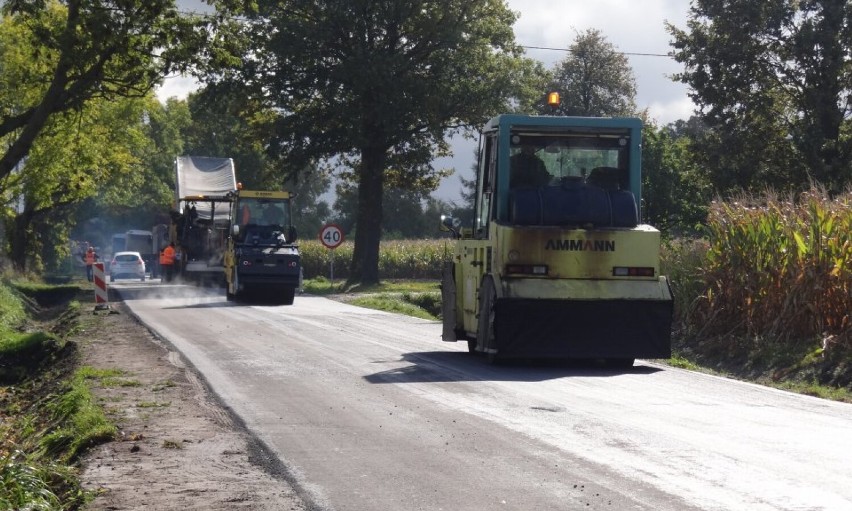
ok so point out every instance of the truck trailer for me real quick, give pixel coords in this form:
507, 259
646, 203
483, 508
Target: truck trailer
557, 262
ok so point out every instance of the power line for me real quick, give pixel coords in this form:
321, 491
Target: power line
621, 52
629, 53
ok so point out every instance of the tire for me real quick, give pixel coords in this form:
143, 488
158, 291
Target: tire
142, 278
471, 345
620, 363
485, 325
449, 330
111, 278
289, 296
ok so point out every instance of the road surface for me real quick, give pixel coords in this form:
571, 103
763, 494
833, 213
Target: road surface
371, 411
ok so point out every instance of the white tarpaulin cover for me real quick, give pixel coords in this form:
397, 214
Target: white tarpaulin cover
203, 175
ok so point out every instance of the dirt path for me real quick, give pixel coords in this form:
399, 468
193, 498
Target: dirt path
178, 449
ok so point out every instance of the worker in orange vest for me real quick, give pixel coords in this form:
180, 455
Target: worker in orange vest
245, 216
90, 257
167, 262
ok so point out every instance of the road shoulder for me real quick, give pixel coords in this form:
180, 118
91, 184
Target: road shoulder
176, 447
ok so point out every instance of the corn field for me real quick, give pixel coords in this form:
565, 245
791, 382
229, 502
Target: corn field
398, 259
778, 268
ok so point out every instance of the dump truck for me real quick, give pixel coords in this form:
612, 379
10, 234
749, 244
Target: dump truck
262, 259
200, 220
557, 262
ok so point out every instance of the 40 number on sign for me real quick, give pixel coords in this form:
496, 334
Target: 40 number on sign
331, 236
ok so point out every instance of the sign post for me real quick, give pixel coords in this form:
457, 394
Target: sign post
331, 236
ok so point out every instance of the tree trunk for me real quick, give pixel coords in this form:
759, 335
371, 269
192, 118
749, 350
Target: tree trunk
18, 238
364, 268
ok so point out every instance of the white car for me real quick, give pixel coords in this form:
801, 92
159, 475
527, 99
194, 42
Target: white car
127, 264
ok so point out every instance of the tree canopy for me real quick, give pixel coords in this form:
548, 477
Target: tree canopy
773, 82
75, 158
380, 84
68, 53
227, 123
594, 79
73, 85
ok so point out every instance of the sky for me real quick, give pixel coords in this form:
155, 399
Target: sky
632, 26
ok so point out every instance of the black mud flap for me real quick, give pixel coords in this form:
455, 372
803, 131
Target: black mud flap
448, 303
583, 329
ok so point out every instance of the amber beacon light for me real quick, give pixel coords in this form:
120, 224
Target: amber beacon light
553, 99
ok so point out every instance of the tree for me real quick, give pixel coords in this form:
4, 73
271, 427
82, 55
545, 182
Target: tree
141, 198
310, 213
379, 84
72, 160
408, 214
227, 123
69, 53
772, 82
594, 80
675, 193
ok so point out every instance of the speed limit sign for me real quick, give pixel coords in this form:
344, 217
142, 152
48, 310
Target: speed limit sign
331, 235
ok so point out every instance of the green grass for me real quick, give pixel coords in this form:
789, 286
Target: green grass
812, 389
39, 471
16, 343
78, 422
392, 302
107, 377
323, 286
46, 295
23, 485
50, 416
683, 363
12, 311
417, 298
153, 404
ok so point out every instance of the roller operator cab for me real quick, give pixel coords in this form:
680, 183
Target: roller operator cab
262, 259
557, 263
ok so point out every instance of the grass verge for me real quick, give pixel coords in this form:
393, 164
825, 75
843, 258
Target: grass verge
417, 298
48, 416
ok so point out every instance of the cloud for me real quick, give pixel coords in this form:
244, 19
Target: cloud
176, 87
667, 112
632, 27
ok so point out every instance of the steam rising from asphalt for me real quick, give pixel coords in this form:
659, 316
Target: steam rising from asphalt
171, 294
